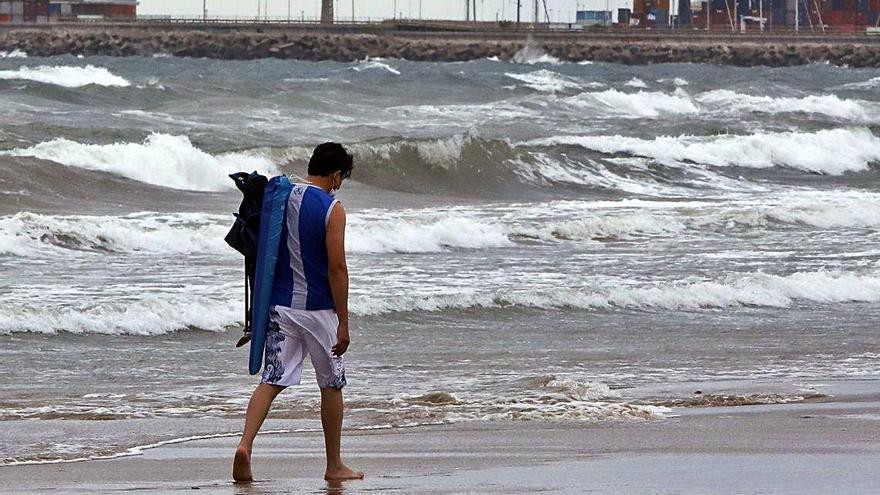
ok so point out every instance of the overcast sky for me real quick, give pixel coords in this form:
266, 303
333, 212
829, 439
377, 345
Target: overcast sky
561, 10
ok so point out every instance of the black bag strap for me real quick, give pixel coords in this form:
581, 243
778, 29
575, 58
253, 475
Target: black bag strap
248, 311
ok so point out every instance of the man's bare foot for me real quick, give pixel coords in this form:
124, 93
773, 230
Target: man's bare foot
241, 465
342, 473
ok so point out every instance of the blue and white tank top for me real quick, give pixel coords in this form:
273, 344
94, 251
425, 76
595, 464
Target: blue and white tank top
302, 278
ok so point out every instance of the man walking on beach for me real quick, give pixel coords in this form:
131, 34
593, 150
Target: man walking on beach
309, 311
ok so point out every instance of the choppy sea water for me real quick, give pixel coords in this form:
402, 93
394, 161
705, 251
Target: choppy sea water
527, 241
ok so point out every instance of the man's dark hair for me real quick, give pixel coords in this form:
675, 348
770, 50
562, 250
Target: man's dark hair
329, 158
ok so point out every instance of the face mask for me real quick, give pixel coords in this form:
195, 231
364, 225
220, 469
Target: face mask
335, 190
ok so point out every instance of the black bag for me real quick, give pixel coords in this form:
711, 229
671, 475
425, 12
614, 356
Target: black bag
244, 236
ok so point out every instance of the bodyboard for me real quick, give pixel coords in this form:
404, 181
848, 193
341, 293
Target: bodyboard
271, 224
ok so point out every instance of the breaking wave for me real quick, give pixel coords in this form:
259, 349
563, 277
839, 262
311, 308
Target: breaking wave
373, 64
422, 234
443, 229
545, 81
164, 312
869, 84
65, 76
656, 104
606, 228
148, 315
531, 54
643, 104
16, 53
162, 160
728, 291
833, 151
465, 165
25, 233
830, 105
636, 83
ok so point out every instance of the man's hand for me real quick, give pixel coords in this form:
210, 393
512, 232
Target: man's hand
342, 340
338, 273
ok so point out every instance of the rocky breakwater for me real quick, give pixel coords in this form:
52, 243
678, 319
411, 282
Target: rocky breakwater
436, 47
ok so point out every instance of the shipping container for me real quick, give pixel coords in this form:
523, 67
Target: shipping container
660, 18
107, 10
646, 6
5, 18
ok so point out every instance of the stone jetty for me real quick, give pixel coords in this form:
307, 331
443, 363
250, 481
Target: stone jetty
348, 46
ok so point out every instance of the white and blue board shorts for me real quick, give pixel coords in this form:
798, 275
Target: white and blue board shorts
291, 336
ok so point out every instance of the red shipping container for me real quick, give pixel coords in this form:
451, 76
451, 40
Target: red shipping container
5, 18
847, 28
874, 5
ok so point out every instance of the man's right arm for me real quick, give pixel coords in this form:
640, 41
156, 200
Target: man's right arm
338, 271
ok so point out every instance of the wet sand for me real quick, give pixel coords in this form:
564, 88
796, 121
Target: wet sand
793, 448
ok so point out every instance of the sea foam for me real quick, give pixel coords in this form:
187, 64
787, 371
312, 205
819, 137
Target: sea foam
16, 53
545, 81
369, 64
65, 76
636, 83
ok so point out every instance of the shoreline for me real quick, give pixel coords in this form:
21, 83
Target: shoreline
316, 45
792, 448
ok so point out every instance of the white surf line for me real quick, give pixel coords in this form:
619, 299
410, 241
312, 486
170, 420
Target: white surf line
139, 449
